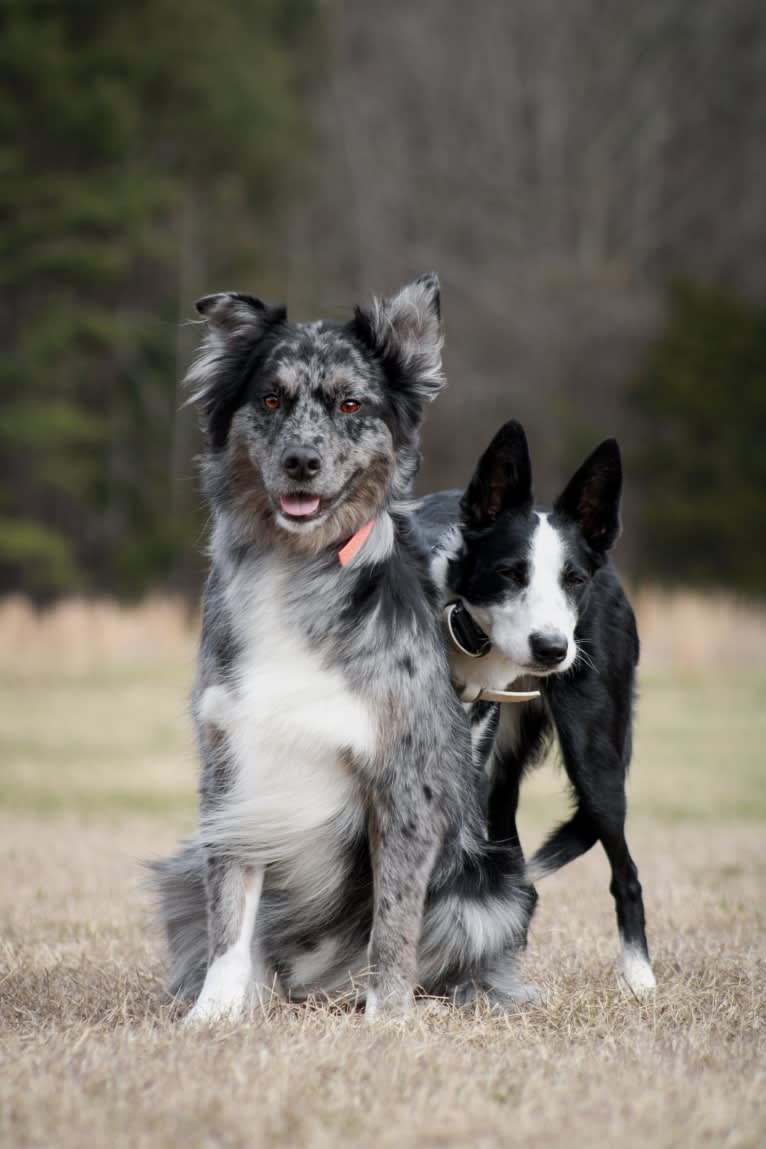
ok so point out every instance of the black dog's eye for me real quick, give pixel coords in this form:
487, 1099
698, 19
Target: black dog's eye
272, 402
573, 579
349, 407
516, 573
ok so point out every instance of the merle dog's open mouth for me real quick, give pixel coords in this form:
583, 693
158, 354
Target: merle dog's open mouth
301, 506
306, 506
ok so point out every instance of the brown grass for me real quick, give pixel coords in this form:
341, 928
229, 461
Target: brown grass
91, 1056
96, 772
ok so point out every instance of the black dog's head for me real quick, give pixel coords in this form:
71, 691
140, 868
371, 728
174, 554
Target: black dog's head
311, 426
524, 574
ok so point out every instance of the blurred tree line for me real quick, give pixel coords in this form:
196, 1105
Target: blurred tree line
145, 149
587, 179
700, 410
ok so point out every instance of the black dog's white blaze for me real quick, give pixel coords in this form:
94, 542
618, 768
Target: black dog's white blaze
540, 586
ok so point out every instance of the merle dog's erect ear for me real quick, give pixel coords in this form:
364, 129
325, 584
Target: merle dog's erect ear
233, 311
405, 331
236, 323
502, 481
591, 498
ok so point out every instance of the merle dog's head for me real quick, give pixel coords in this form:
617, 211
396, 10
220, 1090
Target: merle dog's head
525, 574
311, 427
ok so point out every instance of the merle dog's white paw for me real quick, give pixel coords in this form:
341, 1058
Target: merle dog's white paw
216, 1007
388, 1003
209, 1009
231, 989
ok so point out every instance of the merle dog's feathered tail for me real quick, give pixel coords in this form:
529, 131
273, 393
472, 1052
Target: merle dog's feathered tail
179, 886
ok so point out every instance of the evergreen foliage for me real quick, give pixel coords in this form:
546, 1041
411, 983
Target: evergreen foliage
142, 145
700, 406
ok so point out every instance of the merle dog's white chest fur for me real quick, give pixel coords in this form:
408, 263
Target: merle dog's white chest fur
291, 723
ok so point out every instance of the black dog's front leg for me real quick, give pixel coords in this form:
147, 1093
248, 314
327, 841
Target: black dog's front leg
597, 765
404, 838
520, 740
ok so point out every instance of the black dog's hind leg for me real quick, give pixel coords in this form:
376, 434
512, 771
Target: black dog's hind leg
594, 754
503, 805
504, 801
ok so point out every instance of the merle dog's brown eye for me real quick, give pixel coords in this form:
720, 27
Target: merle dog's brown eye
273, 402
349, 406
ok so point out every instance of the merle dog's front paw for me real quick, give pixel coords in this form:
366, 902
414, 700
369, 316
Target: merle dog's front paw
232, 990
209, 1009
389, 998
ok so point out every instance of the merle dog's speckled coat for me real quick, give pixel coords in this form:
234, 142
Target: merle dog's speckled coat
342, 822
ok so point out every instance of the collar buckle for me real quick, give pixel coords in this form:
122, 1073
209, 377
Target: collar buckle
465, 634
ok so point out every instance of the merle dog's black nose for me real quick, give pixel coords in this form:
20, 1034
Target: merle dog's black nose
301, 463
548, 647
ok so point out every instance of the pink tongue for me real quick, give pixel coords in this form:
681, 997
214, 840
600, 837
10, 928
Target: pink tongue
300, 506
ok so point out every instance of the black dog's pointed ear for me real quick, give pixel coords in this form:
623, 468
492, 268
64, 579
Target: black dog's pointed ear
502, 481
591, 498
405, 331
216, 380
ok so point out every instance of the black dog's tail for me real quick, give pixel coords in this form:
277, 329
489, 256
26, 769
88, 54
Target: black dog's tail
563, 845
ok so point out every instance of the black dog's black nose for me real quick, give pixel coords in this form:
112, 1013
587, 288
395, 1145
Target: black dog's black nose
548, 648
301, 462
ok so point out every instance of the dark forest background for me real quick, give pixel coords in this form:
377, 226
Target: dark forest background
588, 178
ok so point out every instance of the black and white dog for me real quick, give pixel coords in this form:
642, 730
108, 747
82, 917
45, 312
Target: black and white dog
343, 830
532, 601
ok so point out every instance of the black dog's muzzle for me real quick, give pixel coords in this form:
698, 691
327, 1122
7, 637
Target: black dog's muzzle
467, 637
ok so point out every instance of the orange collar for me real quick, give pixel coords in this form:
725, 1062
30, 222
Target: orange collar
355, 544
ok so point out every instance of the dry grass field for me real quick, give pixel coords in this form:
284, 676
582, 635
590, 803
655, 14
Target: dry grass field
97, 772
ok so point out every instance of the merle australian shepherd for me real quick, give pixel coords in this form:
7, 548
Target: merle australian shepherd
342, 831
531, 599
